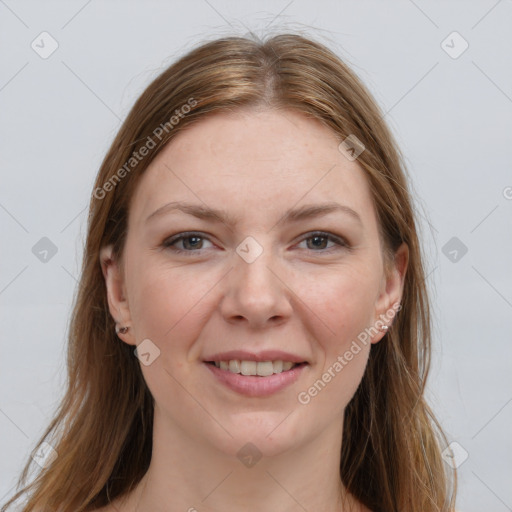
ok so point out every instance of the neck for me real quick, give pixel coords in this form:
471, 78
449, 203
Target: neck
187, 475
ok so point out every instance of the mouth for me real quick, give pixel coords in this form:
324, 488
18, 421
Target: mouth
255, 368
254, 378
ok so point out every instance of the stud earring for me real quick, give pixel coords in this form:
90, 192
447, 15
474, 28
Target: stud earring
121, 330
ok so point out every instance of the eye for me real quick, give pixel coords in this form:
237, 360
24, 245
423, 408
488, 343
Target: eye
319, 239
191, 242
194, 242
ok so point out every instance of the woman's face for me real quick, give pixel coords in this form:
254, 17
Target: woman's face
224, 262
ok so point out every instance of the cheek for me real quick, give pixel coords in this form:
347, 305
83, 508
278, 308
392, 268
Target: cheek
167, 307
345, 301
165, 300
171, 307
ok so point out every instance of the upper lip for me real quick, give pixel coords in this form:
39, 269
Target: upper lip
265, 355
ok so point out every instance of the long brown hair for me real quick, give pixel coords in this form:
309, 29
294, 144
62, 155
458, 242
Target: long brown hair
102, 431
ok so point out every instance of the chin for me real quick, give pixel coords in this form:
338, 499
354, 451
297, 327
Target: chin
265, 434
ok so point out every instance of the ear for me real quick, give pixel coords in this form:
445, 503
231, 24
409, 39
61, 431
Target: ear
116, 295
390, 296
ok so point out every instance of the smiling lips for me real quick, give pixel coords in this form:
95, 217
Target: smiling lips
263, 369
256, 375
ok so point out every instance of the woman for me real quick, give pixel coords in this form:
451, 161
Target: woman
252, 326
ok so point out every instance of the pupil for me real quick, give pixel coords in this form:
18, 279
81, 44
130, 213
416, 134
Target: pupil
196, 238
317, 238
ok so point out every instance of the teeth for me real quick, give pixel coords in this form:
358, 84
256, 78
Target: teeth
263, 368
234, 366
248, 367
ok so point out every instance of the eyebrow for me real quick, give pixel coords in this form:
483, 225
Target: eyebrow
291, 215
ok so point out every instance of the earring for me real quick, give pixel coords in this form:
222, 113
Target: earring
384, 328
122, 330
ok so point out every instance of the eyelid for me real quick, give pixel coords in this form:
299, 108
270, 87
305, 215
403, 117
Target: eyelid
167, 243
341, 242
338, 240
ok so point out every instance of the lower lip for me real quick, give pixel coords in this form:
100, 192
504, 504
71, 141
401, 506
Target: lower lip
253, 385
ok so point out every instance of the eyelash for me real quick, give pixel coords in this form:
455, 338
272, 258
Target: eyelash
168, 243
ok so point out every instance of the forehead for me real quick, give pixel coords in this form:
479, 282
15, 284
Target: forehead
253, 161
250, 136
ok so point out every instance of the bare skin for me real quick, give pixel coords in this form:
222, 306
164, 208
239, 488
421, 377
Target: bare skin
305, 294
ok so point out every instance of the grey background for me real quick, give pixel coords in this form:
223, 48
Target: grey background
452, 118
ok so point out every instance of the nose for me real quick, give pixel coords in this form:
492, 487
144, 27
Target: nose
256, 292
